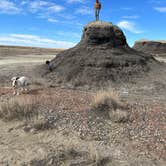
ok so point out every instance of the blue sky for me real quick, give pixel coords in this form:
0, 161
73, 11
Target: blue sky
59, 23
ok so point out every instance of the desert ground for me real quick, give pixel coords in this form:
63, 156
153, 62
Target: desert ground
61, 125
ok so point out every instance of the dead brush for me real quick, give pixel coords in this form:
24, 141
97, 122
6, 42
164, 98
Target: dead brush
105, 100
108, 103
41, 124
96, 156
14, 110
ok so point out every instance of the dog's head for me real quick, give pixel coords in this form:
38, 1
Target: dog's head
14, 81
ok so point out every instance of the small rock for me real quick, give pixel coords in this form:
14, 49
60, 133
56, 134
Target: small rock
119, 116
27, 128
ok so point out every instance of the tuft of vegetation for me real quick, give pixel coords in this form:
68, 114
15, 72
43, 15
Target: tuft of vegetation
42, 124
28, 110
13, 110
119, 116
109, 102
106, 100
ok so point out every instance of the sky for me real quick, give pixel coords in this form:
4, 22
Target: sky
59, 23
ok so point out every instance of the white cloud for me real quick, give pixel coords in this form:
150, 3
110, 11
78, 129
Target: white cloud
45, 9
130, 17
44, 6
37, 5
55, 9
9, 7
24, 2
52, 20
31, 40
160, 9
75, 1
84, 10
129, 26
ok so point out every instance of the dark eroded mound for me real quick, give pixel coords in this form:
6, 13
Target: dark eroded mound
102, 55
152, 47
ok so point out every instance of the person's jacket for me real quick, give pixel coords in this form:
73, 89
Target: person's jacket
97, 5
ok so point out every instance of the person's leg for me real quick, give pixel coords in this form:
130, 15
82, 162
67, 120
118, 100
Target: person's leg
96, 14
50, 68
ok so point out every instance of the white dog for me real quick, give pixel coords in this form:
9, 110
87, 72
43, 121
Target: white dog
20, 82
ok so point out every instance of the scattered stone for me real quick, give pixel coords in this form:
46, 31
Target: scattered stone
119, 116
10, 129
27, 128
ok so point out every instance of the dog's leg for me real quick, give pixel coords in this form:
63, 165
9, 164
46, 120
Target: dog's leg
14, 91
18, 91
27, 88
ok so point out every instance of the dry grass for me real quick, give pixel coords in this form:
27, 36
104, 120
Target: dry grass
17, 110
120, 116
41, 124
107, 100
26, 109
33, 110
94, 154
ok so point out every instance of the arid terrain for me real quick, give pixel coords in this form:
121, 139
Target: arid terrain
58, 125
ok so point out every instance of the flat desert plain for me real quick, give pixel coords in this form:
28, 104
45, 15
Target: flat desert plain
59, 125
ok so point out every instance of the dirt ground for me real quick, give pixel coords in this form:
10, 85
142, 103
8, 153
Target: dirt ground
78, 136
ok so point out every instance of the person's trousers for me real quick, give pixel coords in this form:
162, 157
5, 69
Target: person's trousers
97, 11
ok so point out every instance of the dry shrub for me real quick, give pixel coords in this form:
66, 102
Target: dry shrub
14, 110
42, 123
106, 100
97, 157
109, 102
119, 116
93, 153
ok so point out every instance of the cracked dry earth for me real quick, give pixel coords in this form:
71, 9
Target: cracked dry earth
80, 136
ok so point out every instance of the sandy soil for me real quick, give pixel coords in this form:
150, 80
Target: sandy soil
20, 65
25, 59
78, 135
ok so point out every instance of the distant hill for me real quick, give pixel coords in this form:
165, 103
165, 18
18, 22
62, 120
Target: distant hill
22, 50
152, 47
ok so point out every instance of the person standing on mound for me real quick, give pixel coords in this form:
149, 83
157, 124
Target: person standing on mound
97, 9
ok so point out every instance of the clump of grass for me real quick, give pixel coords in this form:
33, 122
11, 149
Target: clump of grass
119, 116
108, 102
97, 157
41, 124
13, 110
